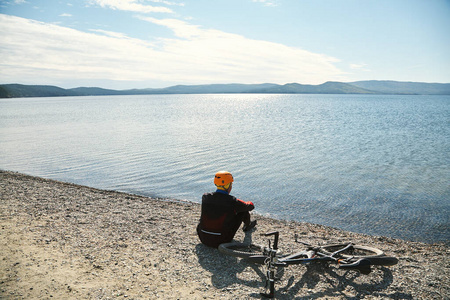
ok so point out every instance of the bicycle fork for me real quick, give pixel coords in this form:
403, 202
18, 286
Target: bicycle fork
270, 275
270, 282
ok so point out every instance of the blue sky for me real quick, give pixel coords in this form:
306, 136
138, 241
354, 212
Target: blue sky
157, 43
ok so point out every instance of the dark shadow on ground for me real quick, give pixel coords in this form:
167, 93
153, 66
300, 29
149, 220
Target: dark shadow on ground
226, 269
338, 284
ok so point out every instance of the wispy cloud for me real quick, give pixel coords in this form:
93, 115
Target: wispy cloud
110, 33
12, 2
32, 50
267, 2
168, 2
133, 5
65, 15
360, 67
236, 56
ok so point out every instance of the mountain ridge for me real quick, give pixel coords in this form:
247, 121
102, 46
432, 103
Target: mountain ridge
329, 87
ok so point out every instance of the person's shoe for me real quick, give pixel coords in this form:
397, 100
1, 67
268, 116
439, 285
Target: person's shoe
249, 226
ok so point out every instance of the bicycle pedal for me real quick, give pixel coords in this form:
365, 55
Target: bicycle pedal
267, 295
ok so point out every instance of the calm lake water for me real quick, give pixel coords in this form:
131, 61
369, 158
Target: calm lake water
375, 164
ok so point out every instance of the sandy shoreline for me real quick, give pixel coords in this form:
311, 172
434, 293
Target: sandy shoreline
64, 241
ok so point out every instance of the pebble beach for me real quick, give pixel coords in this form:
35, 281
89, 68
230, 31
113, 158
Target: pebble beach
64, 241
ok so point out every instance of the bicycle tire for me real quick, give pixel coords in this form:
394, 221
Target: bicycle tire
383, 261
357, 251
241, 250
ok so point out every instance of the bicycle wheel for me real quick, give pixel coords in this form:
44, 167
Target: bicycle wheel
383, 261
356, 251
241, 250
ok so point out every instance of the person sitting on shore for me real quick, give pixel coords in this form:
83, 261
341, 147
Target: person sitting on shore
223, 214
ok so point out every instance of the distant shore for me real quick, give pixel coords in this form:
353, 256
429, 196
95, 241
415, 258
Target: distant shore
369, 87
65, 241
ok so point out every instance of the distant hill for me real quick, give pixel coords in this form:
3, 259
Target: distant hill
358, 87
325, 88
93, 91
19, 91
232, 88
397, 87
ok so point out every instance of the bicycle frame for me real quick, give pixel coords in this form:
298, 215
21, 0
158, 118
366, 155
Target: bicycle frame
346, 255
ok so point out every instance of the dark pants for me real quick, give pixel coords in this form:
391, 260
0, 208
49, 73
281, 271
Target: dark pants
226, 236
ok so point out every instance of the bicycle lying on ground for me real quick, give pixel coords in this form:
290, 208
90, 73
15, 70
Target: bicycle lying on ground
346, 255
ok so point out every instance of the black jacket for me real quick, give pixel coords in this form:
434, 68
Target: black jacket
220, 217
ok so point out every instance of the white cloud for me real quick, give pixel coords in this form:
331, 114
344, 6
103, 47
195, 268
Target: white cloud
235, 56
132, 5
65, 15
180, 28
266, 2
110, 33
167, 2
32, 50
360, 67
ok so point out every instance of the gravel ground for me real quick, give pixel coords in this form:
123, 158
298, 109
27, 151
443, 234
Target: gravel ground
64, 241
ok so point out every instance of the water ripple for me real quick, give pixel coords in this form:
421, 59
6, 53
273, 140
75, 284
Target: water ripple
373, 164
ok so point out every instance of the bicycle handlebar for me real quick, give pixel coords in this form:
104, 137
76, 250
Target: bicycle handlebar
275, 241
